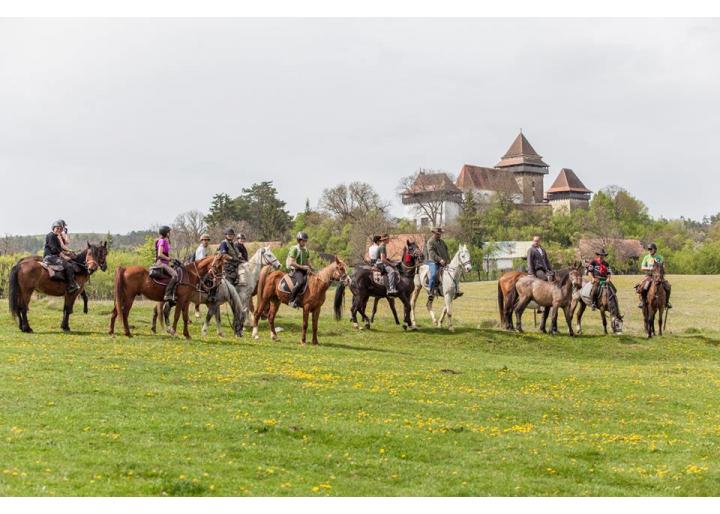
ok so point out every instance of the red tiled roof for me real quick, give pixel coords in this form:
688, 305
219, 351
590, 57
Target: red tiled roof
567, 182
427, 182
520, 152
487, 179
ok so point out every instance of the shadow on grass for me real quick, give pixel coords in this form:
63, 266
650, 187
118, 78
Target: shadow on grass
361, 348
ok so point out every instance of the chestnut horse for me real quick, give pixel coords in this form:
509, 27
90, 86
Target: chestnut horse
28, 275
135, 280
270, 295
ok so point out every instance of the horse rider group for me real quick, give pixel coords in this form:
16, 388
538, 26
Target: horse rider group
599, 270
57, 252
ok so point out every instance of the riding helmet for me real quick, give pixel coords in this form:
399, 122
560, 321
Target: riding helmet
164, 230
652, 246
242, 237
56, 224
302, 235
62, 223
229, 232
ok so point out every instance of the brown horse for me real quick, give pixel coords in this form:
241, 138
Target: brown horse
607, 302
270, 294
507, 296
554, 295
656, 301
28, 275
135, 280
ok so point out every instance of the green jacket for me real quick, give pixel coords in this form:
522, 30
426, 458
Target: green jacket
437, 250
648, 262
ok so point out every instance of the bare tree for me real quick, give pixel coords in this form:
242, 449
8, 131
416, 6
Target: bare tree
353, 202
427, 191
187, 229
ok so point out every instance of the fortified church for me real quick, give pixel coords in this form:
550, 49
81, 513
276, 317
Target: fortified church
520, 173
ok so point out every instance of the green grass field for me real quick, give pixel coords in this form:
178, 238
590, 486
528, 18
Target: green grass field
380, 412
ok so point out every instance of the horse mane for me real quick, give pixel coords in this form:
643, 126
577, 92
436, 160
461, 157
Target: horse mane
563, 275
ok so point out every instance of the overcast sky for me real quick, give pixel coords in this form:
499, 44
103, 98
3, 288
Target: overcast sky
120, 124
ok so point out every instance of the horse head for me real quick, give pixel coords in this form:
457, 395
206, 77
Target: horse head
96, 256
658, 272
268, 257
463, 257
340, 272
576, 275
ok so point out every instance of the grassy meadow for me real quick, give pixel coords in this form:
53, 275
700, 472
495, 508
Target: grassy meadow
380, 412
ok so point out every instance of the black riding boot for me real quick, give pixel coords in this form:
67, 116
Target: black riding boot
70, 275
594, 296
667, 288
170, 290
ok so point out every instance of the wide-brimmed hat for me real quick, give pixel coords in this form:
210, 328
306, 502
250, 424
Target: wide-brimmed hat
385, 237
205, 237
437, 230
601, 252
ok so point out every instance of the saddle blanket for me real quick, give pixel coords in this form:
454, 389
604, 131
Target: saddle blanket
55, 271
585, 293
161, 277
287, 284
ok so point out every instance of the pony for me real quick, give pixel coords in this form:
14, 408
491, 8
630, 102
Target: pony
29, 275
270, 295
363, 287
507, 295
135, 280
608, 302
555, 295
449, 278
655, 302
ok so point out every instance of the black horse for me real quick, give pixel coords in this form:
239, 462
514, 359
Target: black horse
363, 287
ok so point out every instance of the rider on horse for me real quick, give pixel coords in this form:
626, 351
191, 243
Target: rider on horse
228, 247
600, 272
374, 250
438, 257
538, 263
162, 260
386, 266
647, 267
55, 252
202, 250
298, 261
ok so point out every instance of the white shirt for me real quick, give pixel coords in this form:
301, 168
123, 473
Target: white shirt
374, 252
201, 252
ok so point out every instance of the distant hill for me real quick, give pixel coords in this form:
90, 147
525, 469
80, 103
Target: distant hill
34, 243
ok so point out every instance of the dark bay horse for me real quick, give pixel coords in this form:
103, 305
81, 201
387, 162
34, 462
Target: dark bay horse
551, 295
135, 280
608, 302
656, 301
311, 301
28, 275
363, 287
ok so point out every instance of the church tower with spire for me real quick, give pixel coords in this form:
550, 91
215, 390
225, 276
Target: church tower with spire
528, 169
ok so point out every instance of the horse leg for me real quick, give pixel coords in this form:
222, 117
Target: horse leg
429, 306
84, 296
568, 320
186, 318
306, 314
604, 320
153, 326
363, 306
543, 321
208, 316
661, 313
272, 312
354, 311
67, 311
413, 301
554, 314
315, 317
448, 311
125, 313
519, 309
176, 318
375, 306
113, 317
256, 316
581, 311
218, 322
391, 302
197, 310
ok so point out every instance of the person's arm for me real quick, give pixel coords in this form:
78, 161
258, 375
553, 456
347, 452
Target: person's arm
162, 250
530, 262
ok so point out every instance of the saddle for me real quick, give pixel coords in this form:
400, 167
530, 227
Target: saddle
378, 277
161, 277
438, 281
55, 271
287, 284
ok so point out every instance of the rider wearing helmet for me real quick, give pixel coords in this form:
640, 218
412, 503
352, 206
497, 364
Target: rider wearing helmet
228, 247
162, 259
240, 245
55, 253
647, 267
298, 260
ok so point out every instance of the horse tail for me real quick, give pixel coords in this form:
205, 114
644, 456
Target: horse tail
14, 298
120, 289
501, 302
339, 298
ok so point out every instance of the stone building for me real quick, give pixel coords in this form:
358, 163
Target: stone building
568, 192
520, 174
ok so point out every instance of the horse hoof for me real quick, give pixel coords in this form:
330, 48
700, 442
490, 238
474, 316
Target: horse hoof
367, 326
405, 327
355, 325
257, 338
274, 337
451, 329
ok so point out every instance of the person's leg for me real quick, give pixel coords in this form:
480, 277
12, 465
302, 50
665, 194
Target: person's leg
433, 268
172, 285
668, 288
644, 291
594, 295
392, 280
299, 277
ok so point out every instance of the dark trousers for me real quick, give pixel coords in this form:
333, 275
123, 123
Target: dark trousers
541, 274
299, 276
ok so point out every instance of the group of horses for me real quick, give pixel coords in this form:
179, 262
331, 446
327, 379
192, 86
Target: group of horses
202, 282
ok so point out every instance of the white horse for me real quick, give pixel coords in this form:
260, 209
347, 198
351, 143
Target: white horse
449, 280
248, 274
